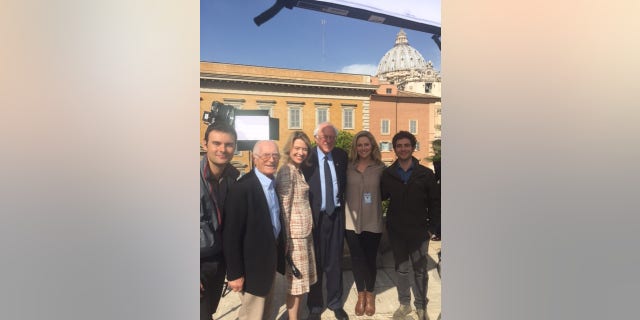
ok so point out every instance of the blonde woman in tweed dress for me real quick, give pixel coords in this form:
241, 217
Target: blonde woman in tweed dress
293, 192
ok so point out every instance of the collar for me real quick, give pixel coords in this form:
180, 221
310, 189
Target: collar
265, 181
229, 171
411, 167
321, 154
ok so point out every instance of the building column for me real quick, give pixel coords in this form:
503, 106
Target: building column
365, 115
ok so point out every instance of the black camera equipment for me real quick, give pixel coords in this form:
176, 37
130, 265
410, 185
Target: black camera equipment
250, 125
220, 113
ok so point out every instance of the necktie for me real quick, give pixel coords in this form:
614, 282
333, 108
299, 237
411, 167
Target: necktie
275, 209
328, 183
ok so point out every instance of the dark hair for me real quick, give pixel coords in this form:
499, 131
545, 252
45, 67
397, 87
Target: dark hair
404, 135
296, 135
221, 127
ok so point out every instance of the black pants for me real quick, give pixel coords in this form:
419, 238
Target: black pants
212, 274
364, 250
328, 241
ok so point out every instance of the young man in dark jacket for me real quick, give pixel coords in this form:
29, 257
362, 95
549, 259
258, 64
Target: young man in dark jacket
413, 208
216, 177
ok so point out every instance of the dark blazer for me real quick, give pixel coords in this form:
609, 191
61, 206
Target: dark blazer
312, 175
250, 249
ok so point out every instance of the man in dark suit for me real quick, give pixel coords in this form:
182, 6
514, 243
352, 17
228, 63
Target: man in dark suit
327, 175
252, 238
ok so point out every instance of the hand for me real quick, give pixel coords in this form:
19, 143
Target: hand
237, 284
201, 289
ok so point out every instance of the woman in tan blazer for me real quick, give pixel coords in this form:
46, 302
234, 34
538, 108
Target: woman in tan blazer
293, 192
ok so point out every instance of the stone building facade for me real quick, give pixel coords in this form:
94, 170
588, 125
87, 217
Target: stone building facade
405, 67
300, 99
404, 95
393, 110
408, 98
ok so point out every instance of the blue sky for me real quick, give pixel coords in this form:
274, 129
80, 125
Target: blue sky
296, 38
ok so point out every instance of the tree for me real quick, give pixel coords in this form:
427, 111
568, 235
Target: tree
343, 141
437, 157
437, 151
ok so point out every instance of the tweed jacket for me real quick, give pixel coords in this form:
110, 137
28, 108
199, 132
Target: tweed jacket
293, 192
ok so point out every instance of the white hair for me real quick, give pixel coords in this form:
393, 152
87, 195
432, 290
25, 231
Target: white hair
258, 146
322, 126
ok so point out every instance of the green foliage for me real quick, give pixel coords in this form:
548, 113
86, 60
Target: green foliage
437, 151
385, 207
343, 141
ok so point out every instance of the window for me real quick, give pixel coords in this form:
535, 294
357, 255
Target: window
322, 112
389, 91
294, 118
417, 146
384, 126
322, 115
428, 87
266, 105
413, 126
385, 146
347, 118
236, 103
295, 114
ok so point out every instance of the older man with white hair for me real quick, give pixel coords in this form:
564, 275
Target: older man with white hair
252, 237
327, 178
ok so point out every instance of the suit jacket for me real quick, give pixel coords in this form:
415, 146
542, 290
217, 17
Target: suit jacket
312, 175
250, 249
415, 206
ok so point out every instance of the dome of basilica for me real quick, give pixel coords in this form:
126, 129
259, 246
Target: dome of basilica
401, 57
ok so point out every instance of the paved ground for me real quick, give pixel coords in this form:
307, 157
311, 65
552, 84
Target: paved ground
386, 294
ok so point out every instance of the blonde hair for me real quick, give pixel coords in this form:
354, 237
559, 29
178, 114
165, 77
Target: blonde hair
375, 149
296, 135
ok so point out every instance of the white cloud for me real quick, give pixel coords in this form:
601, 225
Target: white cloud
369, 69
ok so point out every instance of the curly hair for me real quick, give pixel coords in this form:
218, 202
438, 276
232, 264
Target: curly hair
404, 135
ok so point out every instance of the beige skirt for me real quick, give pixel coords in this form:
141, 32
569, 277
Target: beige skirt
304, 259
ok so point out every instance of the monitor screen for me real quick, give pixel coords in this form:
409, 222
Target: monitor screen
252, 127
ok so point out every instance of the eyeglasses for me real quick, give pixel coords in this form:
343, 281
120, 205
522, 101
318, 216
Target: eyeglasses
267, 156
327, 138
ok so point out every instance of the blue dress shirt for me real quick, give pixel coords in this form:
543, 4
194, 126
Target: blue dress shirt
268, 186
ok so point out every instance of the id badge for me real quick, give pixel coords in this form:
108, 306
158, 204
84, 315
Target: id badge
367, 197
